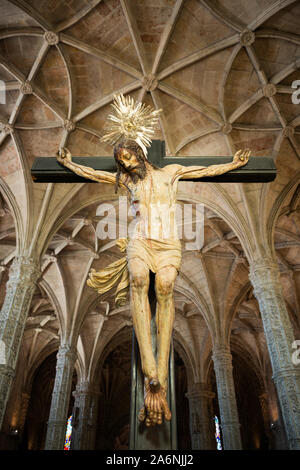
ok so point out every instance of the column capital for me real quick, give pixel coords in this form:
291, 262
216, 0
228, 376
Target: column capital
222, 353
264, 275
26, 267
85, 388
261, 265
66, 351
265, 262
286, 372
199, 390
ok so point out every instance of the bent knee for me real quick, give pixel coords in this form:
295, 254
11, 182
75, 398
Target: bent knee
164, 286
139, 274
139, 281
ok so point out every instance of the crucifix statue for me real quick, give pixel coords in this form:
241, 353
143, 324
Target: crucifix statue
152, 192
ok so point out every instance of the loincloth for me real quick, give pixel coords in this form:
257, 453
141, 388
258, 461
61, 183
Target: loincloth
156, 254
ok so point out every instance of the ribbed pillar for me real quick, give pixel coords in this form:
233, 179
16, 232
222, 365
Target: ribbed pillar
227, 400
56, 426
20, 287
265, 278
85, 415
201, 421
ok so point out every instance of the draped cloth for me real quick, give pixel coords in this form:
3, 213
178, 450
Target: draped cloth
106, 278
156, 254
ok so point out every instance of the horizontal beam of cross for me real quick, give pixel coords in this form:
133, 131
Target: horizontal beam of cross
257, 170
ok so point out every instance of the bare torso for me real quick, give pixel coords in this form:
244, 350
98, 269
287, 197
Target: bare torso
153, 205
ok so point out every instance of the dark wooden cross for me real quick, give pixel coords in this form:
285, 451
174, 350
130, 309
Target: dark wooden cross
257, 170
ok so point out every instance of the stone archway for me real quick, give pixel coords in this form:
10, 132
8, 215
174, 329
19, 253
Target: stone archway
39, 404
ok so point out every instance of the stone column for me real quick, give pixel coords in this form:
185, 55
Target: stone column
263, 400
56, 426
229, 419
265, 278
2, 271
23, 411
201, 422
84, 417
94, 414
24, 273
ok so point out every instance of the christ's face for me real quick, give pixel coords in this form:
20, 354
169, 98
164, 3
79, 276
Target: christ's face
128, 159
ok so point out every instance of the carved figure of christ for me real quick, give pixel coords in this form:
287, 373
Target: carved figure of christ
151, 187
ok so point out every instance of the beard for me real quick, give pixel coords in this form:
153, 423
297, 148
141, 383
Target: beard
137, 173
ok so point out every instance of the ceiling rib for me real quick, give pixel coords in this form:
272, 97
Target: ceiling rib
77, 17
26, 8
198, 55
135, 36
196, 104
269, 12
166, 35
105, 56
233, 24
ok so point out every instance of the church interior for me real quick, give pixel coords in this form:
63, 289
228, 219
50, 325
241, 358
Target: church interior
226, 75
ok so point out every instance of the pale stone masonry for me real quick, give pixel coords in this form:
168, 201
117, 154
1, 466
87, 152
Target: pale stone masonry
264, 275
227, 400
56, 429
201, 417
85, 415
23, 275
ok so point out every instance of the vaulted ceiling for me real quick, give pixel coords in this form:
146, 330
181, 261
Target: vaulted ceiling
223, 73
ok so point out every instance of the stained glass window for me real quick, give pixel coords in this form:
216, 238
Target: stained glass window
68, 434
217, 433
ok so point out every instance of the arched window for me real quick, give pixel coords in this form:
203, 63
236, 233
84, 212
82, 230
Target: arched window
217, 433
68, 434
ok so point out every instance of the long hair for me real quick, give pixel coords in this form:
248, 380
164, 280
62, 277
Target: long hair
134, 147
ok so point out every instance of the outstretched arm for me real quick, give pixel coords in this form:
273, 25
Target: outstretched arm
189, 172
65, 158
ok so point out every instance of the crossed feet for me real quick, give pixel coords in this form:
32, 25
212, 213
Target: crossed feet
155, 403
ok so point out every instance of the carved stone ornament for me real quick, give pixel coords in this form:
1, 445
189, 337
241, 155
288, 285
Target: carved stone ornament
269, 90
51, 38
265, 278
247, 38
26, 88
288, 131
226, 128
69, 125
7, 128
149, 82
23, 275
